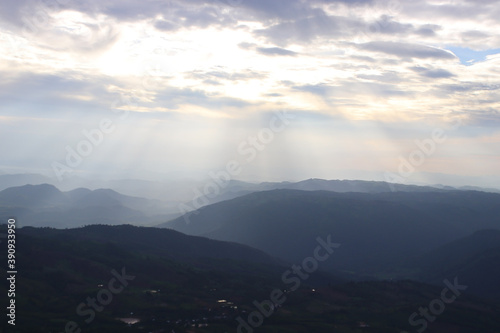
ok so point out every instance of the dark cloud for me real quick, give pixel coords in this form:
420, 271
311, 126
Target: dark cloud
70, 95
56, 93
203, 13
165, 25
348, 2
432, 73
427, 30
438, 74
24, 13
472, 87
307, 30
474, 35
286, 10
128, 10
406, 50
36, 14
282, 9
289, 10
285, 21
386, 25
275, 51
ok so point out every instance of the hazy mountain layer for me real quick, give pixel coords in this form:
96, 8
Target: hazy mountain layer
376, 231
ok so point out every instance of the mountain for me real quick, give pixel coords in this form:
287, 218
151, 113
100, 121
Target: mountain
475, 259
135, 279
173, 276
33, 196
342, 186
376, 231
45, 205
476, 188
78, 193
163, 242
172, 193
233, 188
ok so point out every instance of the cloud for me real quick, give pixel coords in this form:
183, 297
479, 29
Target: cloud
474, 35
14, 14
483, 116
406, 50
53, 95
471, 87
164, 25
388, 77
386, 25
174, 98
438, 74
267, 51
428, 30
394, 62
275, 51
317, 89
219, 74
307, 30
349, 92
433, 73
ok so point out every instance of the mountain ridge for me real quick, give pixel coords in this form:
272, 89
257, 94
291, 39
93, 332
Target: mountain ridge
375, 230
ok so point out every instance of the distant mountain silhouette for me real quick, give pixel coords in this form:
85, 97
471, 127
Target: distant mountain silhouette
33, 196
45, 205
377, 230
362, 186
235, 189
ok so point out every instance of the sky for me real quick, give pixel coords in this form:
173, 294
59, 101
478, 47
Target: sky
404, 91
